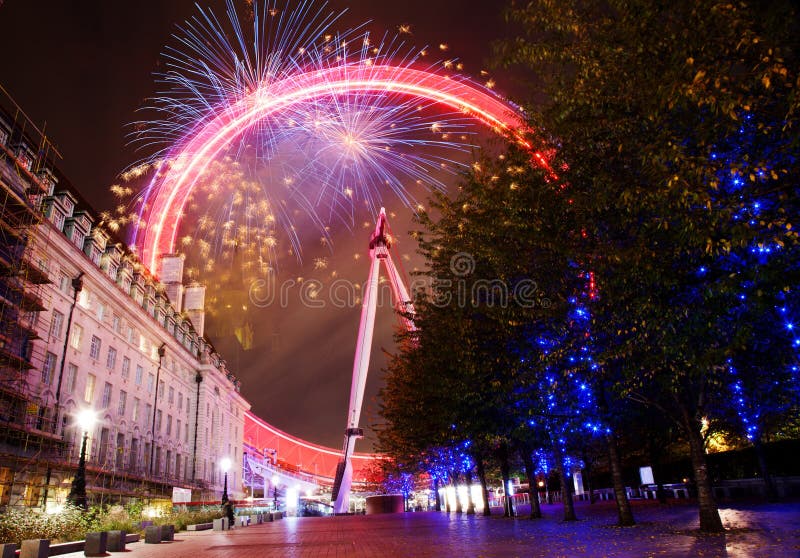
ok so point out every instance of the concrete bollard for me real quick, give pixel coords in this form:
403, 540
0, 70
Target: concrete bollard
116, 541
35, 548
8, 550
167, 532
221, 524
152, 534
242, 521
95, 544
255, 519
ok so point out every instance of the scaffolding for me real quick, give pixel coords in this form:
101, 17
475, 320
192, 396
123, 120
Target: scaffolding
29, 440
38, 451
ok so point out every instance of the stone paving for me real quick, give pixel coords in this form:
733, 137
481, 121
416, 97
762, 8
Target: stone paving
765, 531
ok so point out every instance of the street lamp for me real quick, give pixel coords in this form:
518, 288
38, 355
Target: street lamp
275, 492
225, 464
161, 353
77, 494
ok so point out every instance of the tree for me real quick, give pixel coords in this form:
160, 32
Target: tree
639, 96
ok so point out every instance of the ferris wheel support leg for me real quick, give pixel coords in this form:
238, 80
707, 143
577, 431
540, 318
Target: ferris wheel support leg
360, 368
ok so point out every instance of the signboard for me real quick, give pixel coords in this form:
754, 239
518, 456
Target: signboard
181, 495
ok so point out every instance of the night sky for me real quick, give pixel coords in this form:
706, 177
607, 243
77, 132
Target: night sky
82, 68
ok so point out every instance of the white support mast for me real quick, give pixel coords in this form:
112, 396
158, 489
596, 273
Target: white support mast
378, 251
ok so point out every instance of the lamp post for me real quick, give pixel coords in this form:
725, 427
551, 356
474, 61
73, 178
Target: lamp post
275, 492
77, 287
77, 494
225, 464
161, 352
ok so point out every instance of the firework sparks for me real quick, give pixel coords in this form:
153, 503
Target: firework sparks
311, 123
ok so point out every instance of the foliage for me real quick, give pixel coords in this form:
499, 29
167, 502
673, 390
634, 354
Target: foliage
72, 523
643, 98
18, 524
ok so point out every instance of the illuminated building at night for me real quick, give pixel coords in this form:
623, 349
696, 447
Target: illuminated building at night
85, 325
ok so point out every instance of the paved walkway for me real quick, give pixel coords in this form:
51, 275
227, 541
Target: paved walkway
765, 531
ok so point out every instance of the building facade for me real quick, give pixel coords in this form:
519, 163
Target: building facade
86, 325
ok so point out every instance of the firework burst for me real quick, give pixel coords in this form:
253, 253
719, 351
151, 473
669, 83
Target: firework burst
287, 123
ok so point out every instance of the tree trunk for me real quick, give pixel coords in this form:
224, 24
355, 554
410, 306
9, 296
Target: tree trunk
484, 491
769, 482
436, 494
587, 478
710, 521
624, 513
530, 472
566, 493
456, 478
470, 502
505, 472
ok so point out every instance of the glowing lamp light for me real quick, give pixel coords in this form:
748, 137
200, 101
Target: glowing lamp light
477, 496
451, 497
463, 496
292, 498
86, 419
225, 464
274, 480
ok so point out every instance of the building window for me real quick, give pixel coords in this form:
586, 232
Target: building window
111, 359
178, 428
171, 395
159, 415
48, 368
148, 411
75, 336
85, 298
101, 310
180, 401
116, 324
126, 367
169, 425
88, 393
151, 380
130, 334
94, 349
139, 372
58, 219
72, 376
56, 323
64, 283
186, 433
135, 413
161, 389
123, 398
133, 462
77, 238
119, 462
106, 396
